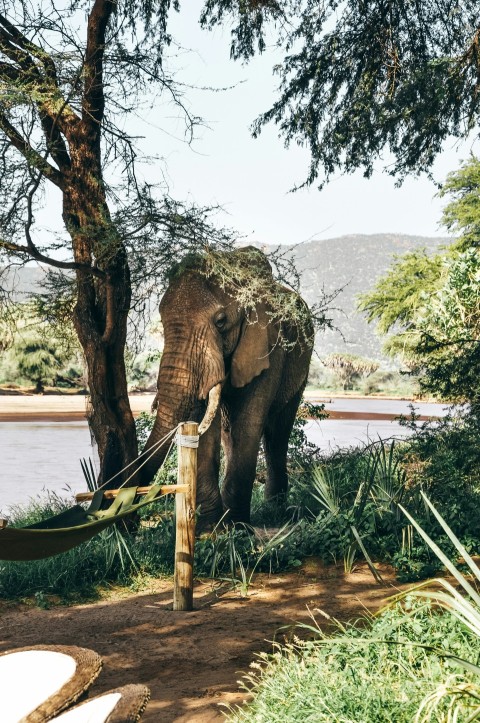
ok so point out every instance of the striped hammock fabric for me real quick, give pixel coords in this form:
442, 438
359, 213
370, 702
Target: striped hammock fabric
73, 526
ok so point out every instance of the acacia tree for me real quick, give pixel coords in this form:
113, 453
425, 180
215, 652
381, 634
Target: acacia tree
69, 76
349, 367
362, 77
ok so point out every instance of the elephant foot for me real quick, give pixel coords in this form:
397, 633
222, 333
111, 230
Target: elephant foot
208, 521
233, 517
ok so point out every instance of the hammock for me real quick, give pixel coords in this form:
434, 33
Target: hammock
73, 526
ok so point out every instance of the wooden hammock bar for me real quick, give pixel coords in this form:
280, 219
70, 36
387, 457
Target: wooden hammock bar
141, 491
185, 492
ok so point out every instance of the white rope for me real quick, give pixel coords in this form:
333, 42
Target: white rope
187, 440
151, 455
150, 451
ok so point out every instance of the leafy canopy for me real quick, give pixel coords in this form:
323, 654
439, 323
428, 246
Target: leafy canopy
428, 307
361, 78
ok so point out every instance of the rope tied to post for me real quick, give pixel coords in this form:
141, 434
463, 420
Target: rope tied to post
187, 440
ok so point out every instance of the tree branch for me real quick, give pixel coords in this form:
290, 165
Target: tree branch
49, 99
14, 53
110, 312
55, 142
93, 104
9, 72
27, 45
30, 154
34, 253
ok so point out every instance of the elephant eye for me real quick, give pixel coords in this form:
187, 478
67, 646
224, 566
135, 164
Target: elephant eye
220, 320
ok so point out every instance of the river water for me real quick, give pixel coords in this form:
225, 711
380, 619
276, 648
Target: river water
40, 456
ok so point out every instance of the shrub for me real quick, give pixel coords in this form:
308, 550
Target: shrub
366, 671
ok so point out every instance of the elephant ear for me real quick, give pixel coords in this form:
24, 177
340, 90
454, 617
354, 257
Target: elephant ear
251, 357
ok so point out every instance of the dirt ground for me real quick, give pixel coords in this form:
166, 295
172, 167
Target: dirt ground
192, 662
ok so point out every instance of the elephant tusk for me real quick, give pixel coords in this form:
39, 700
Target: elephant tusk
212, 406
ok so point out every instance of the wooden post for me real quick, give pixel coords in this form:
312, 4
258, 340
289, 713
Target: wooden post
185, 521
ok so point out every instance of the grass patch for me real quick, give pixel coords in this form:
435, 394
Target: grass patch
353, 675
417, 660
114, 556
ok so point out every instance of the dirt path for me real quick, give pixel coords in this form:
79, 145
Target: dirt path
192, 661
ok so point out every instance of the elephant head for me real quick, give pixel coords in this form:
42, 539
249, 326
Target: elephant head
208, 336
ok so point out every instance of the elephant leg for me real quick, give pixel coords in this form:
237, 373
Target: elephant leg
208, 493
241, 444
277, 433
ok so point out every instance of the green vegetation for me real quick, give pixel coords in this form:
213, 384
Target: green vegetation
33, 351
342, 508
113, 556
33, 359
429, 306
367, 671
359, 85
349, 368
410, 663
386, 382
37, 347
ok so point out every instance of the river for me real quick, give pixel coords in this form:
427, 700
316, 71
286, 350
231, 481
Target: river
40, 456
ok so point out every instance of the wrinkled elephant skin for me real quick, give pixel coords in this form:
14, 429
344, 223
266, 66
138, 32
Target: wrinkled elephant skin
262, 366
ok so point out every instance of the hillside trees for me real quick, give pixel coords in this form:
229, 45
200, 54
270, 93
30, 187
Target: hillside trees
429, 306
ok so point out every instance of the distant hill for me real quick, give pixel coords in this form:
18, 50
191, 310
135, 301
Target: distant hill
353, 262
22, 281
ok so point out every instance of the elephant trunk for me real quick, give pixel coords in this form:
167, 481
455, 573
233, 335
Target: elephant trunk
176, 402
173, 401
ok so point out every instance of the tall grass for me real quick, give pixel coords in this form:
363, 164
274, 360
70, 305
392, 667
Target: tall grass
118, 556
114, 556
411, 663
362, 675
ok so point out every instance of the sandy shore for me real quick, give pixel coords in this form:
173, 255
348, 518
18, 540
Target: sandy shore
72, 408
56, 407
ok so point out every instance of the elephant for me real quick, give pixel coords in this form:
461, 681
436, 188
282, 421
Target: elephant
242, 367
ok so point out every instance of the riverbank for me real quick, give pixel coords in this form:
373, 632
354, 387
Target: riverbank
73, 407
57, 407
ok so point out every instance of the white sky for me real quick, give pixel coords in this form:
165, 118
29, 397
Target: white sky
251, 178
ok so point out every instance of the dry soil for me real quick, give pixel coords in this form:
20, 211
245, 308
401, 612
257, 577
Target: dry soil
192, 662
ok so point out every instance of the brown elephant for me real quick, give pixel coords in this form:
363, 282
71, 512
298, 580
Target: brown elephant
250, 364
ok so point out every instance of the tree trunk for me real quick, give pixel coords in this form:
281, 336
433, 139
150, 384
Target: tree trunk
101, 312
39, 388
110, 417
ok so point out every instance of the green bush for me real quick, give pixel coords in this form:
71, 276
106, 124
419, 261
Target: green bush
353, 675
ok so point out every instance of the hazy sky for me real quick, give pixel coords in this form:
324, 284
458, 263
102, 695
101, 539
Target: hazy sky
251, 178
